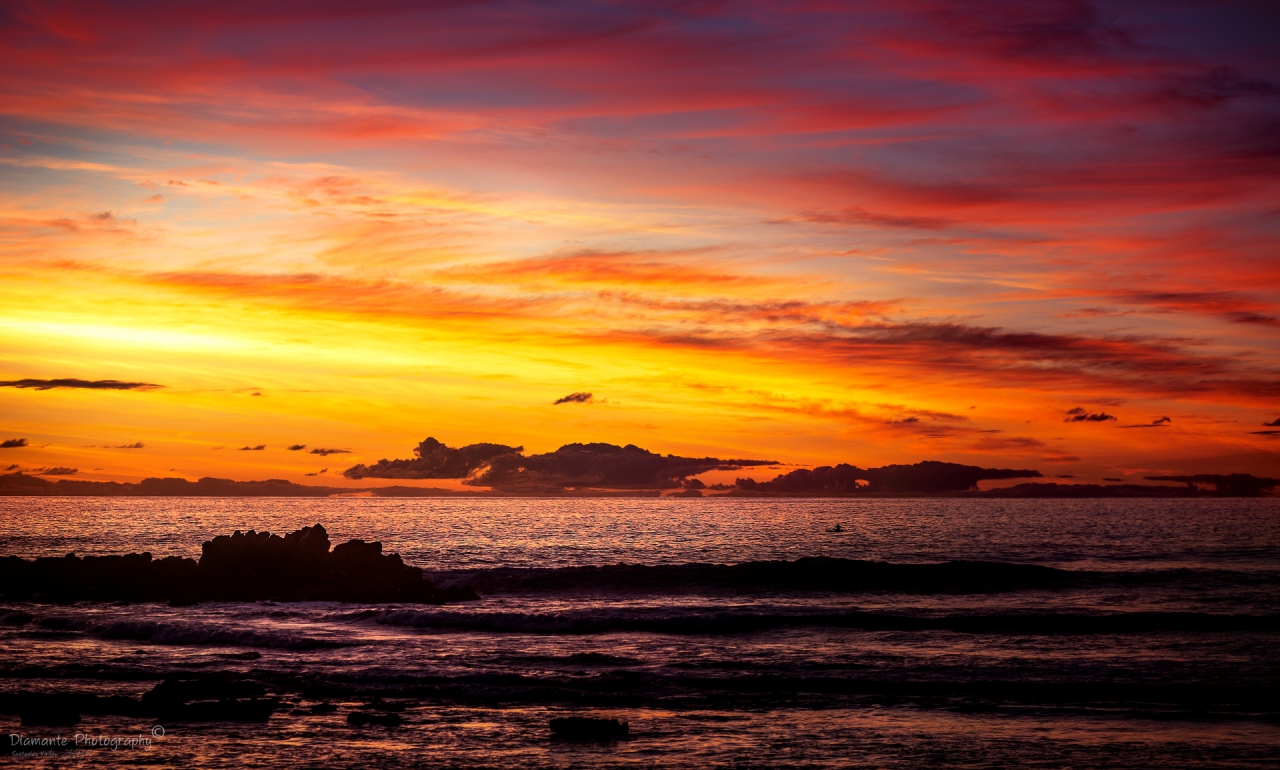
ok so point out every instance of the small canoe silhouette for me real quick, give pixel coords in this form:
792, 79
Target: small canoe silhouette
836, 528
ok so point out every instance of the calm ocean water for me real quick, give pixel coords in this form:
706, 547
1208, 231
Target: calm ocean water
1157, 648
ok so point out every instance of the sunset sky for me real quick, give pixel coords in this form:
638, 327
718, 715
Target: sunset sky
1031, 235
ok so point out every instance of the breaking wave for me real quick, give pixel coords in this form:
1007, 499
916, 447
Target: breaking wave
599, 621
168, 633
810, 573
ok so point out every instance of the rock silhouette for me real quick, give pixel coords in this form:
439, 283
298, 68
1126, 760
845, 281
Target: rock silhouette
48, 711
244, 566
589, 728
362, 718
198, 698
208, 699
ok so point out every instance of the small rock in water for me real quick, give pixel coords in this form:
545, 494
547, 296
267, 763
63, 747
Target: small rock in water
212, 698
589, 728
362, 718
378, 704
48, 713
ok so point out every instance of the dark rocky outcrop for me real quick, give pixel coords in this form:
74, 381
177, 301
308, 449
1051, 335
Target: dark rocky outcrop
589, 729
244, 566
48, 711
208, 699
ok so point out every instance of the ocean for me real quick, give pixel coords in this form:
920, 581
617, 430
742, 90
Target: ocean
1150, 637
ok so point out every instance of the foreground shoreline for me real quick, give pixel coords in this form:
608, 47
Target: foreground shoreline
1050, 633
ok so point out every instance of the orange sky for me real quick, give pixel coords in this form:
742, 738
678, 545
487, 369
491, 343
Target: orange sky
811, 233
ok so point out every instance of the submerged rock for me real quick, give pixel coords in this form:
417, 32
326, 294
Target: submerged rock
209, 699
378, 704
244, 566
48, 711
589, 728
362, 718
65, 708
176, 691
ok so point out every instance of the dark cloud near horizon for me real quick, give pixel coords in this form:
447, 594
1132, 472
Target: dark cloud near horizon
600, 465
326, 452
1107, 478
296, 447
13, 443
13, 467
434, 461
1233, 484
1080, 415
57, 471
928, 477
257, 448
75, 383
1273, 424
1162, 422
573, 398
320, 472
572, 465
134, 445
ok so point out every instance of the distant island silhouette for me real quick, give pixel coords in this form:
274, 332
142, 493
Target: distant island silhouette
604, 470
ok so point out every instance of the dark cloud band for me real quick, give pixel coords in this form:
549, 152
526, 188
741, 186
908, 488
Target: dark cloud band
434, 461
1080, 415
572, 465
70, 382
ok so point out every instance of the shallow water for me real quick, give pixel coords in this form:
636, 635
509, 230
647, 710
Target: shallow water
1156, 646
